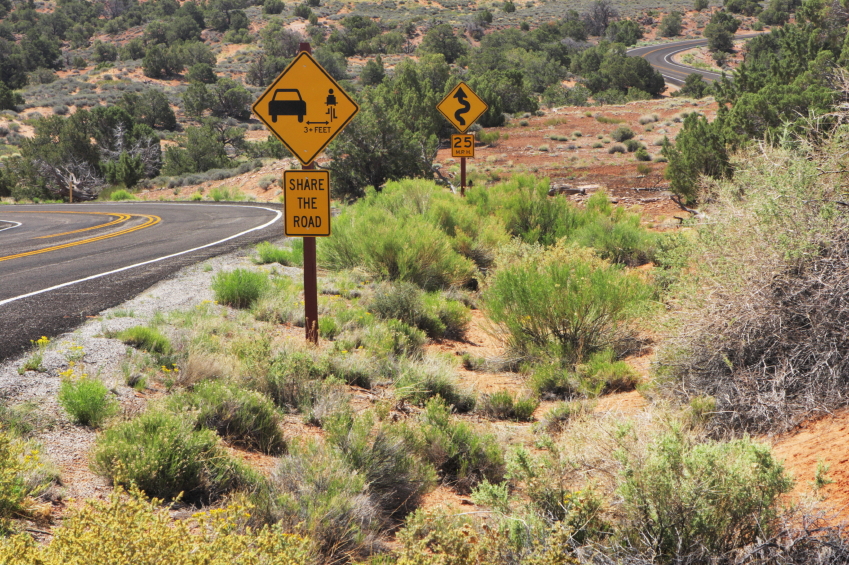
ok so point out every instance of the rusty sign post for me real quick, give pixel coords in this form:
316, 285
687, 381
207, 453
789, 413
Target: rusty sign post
462, 107
305, 108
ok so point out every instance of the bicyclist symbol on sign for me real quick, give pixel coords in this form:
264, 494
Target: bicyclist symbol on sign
331, 105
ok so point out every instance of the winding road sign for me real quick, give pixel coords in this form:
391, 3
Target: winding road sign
462, 107
305, 108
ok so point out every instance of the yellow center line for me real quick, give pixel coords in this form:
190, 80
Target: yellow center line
150, 221
121, 218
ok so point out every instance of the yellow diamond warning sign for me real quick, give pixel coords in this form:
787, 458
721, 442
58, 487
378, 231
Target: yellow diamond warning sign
462, 107
305, 108
306, 203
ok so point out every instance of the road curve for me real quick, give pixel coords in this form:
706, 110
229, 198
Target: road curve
660, 57
60, 263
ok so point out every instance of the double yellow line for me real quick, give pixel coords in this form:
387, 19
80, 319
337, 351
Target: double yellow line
149, 221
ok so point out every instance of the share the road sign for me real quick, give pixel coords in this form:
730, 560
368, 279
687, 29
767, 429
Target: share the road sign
305, 108
462, 107
306, 203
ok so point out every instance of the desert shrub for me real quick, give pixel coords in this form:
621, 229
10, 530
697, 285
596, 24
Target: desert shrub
553, 381
129, 530
767, 345
615, 233
317, 494
227, 194
121, 194
560, 414
243, 417
648, 119
87, 401
406, 248
526, 210
684, 498
239, 288
147, 339
164, 455
12, 485
453, 316
642, 154
616, 149
502, 406
396, 478
419, 382
563, 302
622, 133
461, 455
269, 253
432, 313
602, 373
632, 145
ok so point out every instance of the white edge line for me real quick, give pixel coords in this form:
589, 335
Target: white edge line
278, 213
17, 225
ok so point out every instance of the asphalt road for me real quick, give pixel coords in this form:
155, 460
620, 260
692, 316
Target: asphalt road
60, 263
660, 57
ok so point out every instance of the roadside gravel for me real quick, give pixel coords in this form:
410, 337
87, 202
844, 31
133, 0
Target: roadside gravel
64, 443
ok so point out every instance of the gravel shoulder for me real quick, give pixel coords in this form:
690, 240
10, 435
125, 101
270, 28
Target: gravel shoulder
64, 443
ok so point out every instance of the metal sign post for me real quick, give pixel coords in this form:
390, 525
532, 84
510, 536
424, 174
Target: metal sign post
305, 108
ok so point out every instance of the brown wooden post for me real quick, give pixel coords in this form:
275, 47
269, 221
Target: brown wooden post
310, 267
462, 176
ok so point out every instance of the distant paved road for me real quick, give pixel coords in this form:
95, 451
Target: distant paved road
660, 57
62, 263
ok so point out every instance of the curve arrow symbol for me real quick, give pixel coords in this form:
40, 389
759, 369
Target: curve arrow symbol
461, 98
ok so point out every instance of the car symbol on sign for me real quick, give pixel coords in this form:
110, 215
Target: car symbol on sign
285, 103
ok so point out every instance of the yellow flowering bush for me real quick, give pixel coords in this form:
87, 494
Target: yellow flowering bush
129, 530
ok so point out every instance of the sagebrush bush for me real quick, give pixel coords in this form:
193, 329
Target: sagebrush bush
240, 288
164, 455
147, 339
87, 400
503, 406
622, 133
319, 495
419, 382
563, 302
761, 321
432, 313
390, 235
462, 456
243, 417
686, 499
129, 530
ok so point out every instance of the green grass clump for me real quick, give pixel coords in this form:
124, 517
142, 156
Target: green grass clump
269, 253
462, 456
563, 302
240, 288
242, 417
419, 382
502, 406
164, 455
602, 374
226, 193
555, 420
121, 194
608, 120
551, 381
87, 401
147, 339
